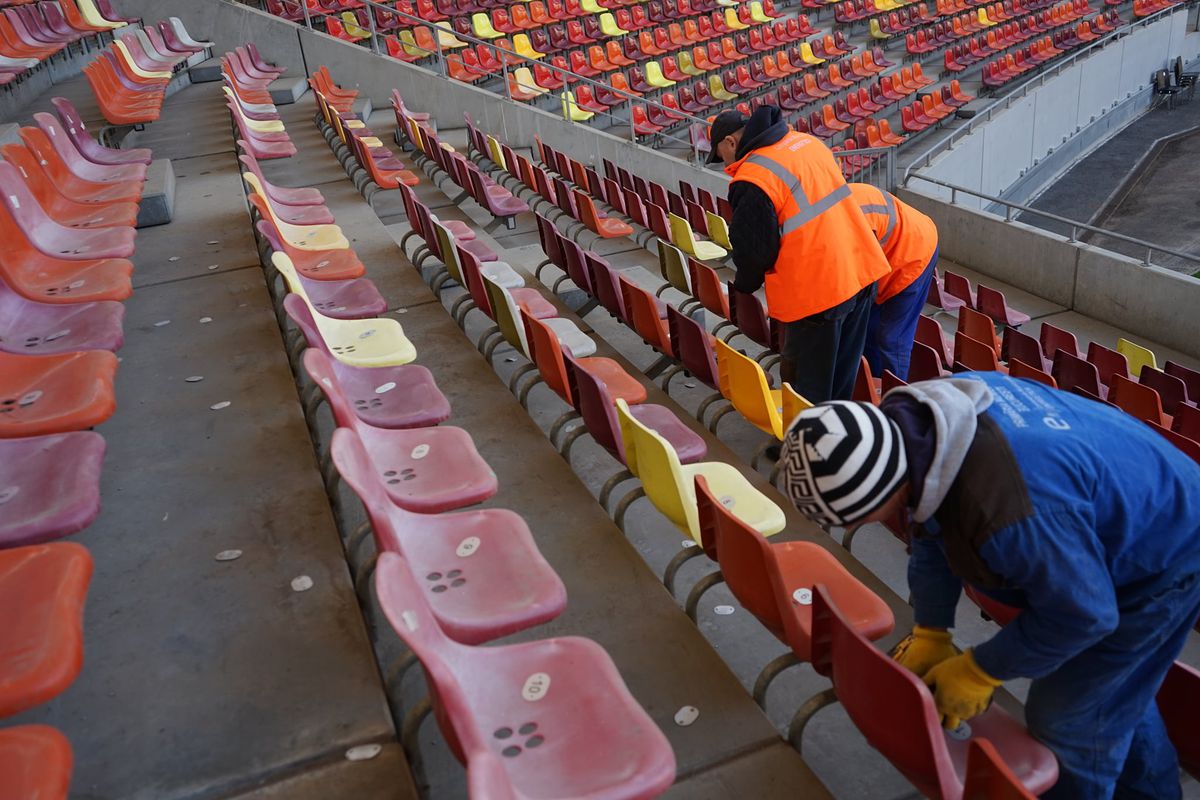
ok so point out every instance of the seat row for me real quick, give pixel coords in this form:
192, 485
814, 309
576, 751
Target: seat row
66, 217
1007, 32
774, 582
1144, 8
246, 77
449, 578
1002, 70
30, 33
129, 79
979, 48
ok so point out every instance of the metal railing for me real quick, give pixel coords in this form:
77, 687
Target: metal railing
879, 169
984, 115
1076, 228
503, 55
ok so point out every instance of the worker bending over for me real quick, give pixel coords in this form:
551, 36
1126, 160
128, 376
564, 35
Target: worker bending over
910, 242
796, 228
1076, 513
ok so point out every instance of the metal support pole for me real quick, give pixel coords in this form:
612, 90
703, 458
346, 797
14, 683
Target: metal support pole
504, 71
371, 27
441, 57
307, 18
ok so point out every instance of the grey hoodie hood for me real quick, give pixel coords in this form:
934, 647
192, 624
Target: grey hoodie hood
954, 404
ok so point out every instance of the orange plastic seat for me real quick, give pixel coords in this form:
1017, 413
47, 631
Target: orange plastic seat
974, 354
55, 394
644, 316
43, 588
605, 227
1137, 399
547, 354
35, 762
979, 327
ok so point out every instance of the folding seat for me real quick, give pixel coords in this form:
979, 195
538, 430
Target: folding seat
1021, 346
1190, 378
684, 238
1136, 399
1172, 391
1108, 362
1071, 372
54, 487
29, 327
1136, 355
646, 314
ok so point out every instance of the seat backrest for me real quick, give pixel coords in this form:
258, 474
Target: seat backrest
1108, 362
1019, 369
991, 302
660, 473
547, 354
319, 366
957, 286
643, 314
1021, 346
744, 384
924, 363
889, 705
606, 286
507, 316
1136, 355
1072, 372
988, 777
974, 354
1190, 378
707, 288
748, 314
673, 266
1171, 390
1054, 338
595, 405
1134, 398
693, 346
979, 327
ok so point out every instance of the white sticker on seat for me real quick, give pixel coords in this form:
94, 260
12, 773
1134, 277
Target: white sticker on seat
420, 451
467, 547
8, 493
803, 596
536, 686
387, 387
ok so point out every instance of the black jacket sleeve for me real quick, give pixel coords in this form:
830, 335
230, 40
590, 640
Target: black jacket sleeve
754, 234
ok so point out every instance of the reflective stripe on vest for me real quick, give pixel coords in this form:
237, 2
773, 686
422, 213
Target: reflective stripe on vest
889, 208
807, 211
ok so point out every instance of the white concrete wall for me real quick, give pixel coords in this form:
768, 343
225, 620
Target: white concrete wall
1004, 148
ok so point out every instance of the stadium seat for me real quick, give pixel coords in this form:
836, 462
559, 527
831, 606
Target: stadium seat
52, 487
601, 741
895, 711
1108, 362
744, 383
403, 396
41, 648
483, 574
1177, 700
1137, 399
35, 762
1072, 372
46, 394
1171, 390
28, 327
1136, 355
683, 238
1019, 369
991, 302
548, 354
670, 485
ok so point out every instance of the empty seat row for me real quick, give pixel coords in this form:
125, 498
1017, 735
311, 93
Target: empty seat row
32, 33
66, 216
246, 78
1001, 71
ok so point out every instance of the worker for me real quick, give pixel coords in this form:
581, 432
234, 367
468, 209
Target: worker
1075, 513
796, 228
910, 242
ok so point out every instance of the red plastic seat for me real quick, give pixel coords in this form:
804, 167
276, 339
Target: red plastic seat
979, 327
37, 187
549, 718
895, 711
35, 762
1071, 372
974, 354
1171, 390
1136, 399
991, 302
1019, 369
957, 286
41, 642
645, 316
55, 393
426, 470
1190, 378
548, 354
1179, 703
929, 333
1053, 339
483, 574
89, 147
924, 363
1108, 362
605, 227
1022, 346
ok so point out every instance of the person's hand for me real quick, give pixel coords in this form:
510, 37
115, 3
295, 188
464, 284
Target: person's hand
923, 649
961, 689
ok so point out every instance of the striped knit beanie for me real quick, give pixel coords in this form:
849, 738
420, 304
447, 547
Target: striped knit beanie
841, 461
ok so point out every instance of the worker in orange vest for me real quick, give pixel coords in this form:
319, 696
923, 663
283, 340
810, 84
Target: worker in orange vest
796, 228
910, 241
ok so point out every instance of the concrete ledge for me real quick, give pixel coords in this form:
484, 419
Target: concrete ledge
206, 71
1038, 262
288, 89
158, 196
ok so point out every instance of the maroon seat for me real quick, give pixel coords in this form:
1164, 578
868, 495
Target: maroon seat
1108, 362
1072, 372
1179, 703
991, 302
1171, 390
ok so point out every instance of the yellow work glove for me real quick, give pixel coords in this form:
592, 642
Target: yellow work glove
961, 689
923, 649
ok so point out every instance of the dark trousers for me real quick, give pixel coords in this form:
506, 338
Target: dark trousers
821, 352
894, 324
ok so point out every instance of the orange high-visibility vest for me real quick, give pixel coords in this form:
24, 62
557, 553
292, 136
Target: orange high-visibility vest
827, 251
908, 237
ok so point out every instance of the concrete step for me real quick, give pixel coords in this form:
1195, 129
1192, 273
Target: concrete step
158, 196
288, 89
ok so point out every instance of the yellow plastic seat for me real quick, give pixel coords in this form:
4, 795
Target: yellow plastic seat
672, 263
793, 404
718, 229
408, 43
254, 124
523, 47
571, 109
983, 18
592, 7
685, 240
808, 56
481, 23
609, 26
141, 73
446, 37
527, 82
876, 31
495, 153
92, 15
508, 320
686, 65
758, 14
731, 19
655, 77
376, 342
1137, 356
671, 486
718, 90
744, 384
302, 237
353, 29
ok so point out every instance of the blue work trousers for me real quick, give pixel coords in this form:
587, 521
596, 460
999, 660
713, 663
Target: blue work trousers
893, 325
1097, 711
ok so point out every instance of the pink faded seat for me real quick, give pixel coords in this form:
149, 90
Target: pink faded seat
49, 486
545, 718
53, 238
895, 711
384, 397
481, 570
28, 327
355, 298
427, 470
303, 196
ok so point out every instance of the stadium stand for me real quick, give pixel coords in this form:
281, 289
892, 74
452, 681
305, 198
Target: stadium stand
498, 352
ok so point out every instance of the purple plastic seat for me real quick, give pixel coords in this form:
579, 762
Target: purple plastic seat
385, 397
173, 41
747, 313
481, 570
1071, 373
29, 327
427, 470
49, 486
356, 298
693, 346
303, 196
498, 201
35, 138
53, 239
544, 718
595, 405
